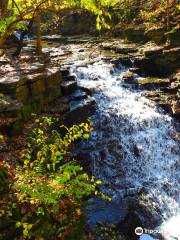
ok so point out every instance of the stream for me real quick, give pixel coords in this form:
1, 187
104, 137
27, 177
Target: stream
131, 151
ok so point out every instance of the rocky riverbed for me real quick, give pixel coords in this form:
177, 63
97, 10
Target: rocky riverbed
133, 98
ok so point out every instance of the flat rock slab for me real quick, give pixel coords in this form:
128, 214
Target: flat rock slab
29, 85
14, 78
151, 83
123, 59
121, 48
153, 51
55, 38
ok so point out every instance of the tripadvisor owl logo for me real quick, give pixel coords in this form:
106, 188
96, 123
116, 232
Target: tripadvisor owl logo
139, 231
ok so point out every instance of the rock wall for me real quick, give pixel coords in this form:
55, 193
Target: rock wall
25, 93
139, 34
150, 58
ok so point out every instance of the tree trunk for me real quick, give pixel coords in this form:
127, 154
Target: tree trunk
3, 13
38, 34
2, 41
3, 7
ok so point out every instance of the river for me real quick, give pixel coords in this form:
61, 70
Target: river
131, 148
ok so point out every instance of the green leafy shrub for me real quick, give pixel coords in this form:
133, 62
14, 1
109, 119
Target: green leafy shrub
49, 186
50, 149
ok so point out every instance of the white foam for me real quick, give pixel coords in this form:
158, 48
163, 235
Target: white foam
137, 123
171, 228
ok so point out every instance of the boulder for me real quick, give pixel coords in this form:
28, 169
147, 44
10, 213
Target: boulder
156, 34
80, 111
68, 87
25, 91
146, 66
168, 61
90, 88
11, 114
135, 33
176, 77
153, 52
117, 30
176, 108
176, 136
99, 211
27, 85
125, 60
172, 55
165, 105
120, 47
55, 38
128, 77
157, 60
171, 89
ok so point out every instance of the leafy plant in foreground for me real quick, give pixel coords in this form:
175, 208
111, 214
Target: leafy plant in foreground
49, 187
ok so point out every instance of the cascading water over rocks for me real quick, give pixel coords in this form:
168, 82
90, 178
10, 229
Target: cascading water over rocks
131, 149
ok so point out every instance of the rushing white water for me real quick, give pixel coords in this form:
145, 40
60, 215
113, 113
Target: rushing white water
132, 146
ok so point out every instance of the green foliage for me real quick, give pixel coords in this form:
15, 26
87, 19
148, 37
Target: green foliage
8, 21
48, 149
23, 11
125, 11
50, 186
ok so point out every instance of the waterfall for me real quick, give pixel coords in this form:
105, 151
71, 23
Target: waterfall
131, 148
